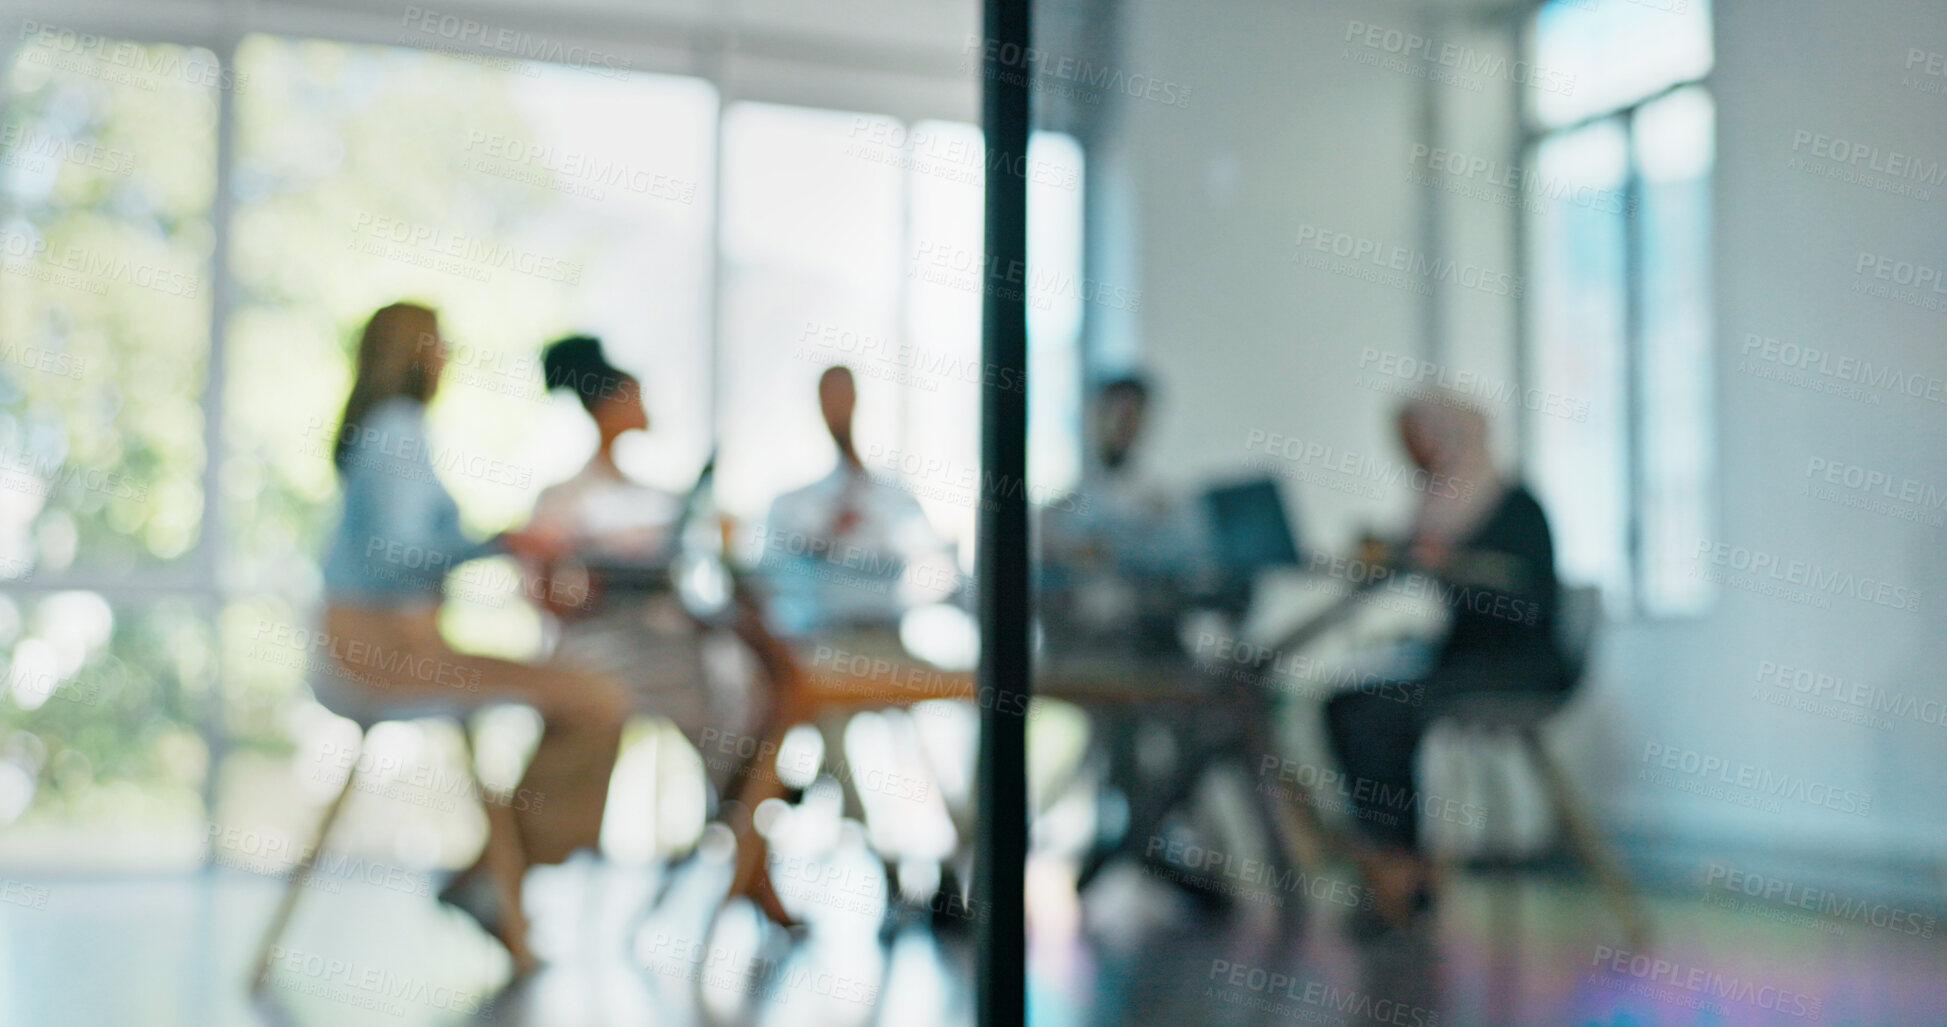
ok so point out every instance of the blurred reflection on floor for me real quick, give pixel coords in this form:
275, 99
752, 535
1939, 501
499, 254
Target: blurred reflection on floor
1524, 949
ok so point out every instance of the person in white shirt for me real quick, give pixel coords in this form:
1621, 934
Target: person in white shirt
606, 519
849, 551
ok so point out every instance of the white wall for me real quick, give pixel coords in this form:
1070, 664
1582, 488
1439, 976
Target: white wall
1284, 130
1280, 132
1787, 243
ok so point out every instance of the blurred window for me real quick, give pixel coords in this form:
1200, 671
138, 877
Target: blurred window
1620, 314
178, 345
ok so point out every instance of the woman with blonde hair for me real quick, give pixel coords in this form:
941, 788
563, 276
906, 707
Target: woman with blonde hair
398, 536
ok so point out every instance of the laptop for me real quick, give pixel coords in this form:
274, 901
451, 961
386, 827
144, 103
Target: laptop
1249, 532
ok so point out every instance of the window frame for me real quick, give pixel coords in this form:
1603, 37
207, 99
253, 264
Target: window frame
1533, 133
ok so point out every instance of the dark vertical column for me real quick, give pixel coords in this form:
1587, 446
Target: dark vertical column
1001, 540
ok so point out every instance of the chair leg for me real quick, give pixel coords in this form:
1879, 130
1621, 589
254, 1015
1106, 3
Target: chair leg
299, 877
1591, 846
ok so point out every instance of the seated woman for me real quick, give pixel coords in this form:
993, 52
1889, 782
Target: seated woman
397, 537
641, 638
1486, 544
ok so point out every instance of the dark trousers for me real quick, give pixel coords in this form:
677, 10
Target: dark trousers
1376, 734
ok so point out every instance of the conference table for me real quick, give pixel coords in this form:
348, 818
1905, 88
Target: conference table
1217, 713
1215, 716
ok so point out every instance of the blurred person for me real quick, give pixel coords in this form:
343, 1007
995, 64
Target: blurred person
838, 562
397, 537
607, 521
1485, 544
1122, 558
849, 552
600, 509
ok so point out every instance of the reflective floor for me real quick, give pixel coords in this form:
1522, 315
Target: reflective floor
1514, 949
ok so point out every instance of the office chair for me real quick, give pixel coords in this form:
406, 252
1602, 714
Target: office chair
503, 841
1522, 715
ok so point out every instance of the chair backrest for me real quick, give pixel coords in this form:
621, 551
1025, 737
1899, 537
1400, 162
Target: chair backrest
1578, 616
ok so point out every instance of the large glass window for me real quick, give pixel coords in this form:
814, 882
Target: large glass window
869, 254
1620, 315
105, 244
163, 574
107, 185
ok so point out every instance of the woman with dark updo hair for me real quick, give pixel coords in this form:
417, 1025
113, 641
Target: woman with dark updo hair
607, 519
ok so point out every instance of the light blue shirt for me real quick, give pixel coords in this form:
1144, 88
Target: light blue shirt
398, 534
1124, 527
866, 574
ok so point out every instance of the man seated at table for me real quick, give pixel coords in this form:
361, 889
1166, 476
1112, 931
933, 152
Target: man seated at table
1122, 557
844, 554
